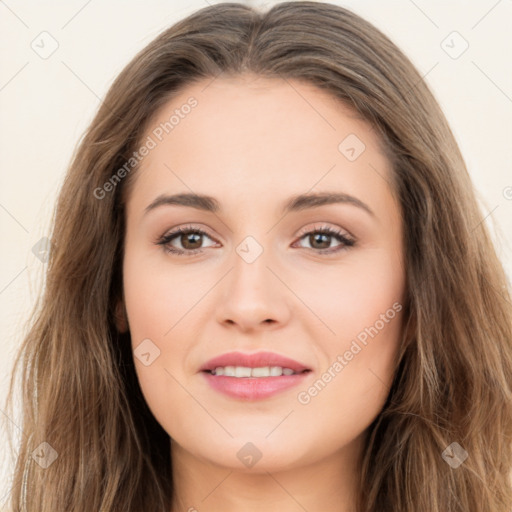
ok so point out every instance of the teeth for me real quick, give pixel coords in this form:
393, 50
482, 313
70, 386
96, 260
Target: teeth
244, 371
276, 371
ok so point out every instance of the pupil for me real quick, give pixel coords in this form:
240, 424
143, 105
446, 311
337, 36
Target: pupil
190, 239
320, 236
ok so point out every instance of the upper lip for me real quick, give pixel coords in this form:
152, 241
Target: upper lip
256, 360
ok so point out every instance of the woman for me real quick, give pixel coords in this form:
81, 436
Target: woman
262, 371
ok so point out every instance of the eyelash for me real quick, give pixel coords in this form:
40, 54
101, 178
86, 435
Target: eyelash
165, 240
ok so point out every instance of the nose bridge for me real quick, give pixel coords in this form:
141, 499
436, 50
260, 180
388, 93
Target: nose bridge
250, 263
252, 294
254, 258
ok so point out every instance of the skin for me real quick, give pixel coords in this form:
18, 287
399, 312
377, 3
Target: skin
252, 143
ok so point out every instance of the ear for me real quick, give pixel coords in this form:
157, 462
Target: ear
120, 316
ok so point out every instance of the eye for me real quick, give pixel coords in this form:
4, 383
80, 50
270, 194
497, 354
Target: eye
190, 239
323, 236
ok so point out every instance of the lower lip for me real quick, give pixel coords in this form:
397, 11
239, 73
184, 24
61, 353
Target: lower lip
253, 388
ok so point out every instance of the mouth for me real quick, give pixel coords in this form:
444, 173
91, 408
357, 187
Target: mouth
241, 372
238, 364
253, 376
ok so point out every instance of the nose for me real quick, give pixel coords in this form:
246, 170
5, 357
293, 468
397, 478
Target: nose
252, 296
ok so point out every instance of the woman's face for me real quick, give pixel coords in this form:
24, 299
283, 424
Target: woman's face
263, 277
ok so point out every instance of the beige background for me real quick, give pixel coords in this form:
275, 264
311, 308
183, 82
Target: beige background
46, 103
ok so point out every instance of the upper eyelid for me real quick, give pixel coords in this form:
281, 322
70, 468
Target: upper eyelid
318, 226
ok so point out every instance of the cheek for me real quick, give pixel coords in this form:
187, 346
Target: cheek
155, 302
160, 300
157, 298
361, 309
351, 297
348, 393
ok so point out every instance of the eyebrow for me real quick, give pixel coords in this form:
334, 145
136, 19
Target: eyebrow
295, 203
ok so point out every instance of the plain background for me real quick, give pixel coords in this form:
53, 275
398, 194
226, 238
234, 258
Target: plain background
47, 103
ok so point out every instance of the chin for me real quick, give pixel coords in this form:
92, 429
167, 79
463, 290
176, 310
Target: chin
253, 453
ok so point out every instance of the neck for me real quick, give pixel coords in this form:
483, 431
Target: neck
328, 483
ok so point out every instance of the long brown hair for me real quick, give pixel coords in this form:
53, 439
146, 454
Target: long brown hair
454, 374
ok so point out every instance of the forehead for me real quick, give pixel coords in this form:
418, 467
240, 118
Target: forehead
248, 137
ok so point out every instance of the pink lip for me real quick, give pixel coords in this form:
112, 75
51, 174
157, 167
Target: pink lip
257, 360
253, 388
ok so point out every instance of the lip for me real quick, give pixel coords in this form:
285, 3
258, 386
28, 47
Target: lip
256, 360
253, 388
